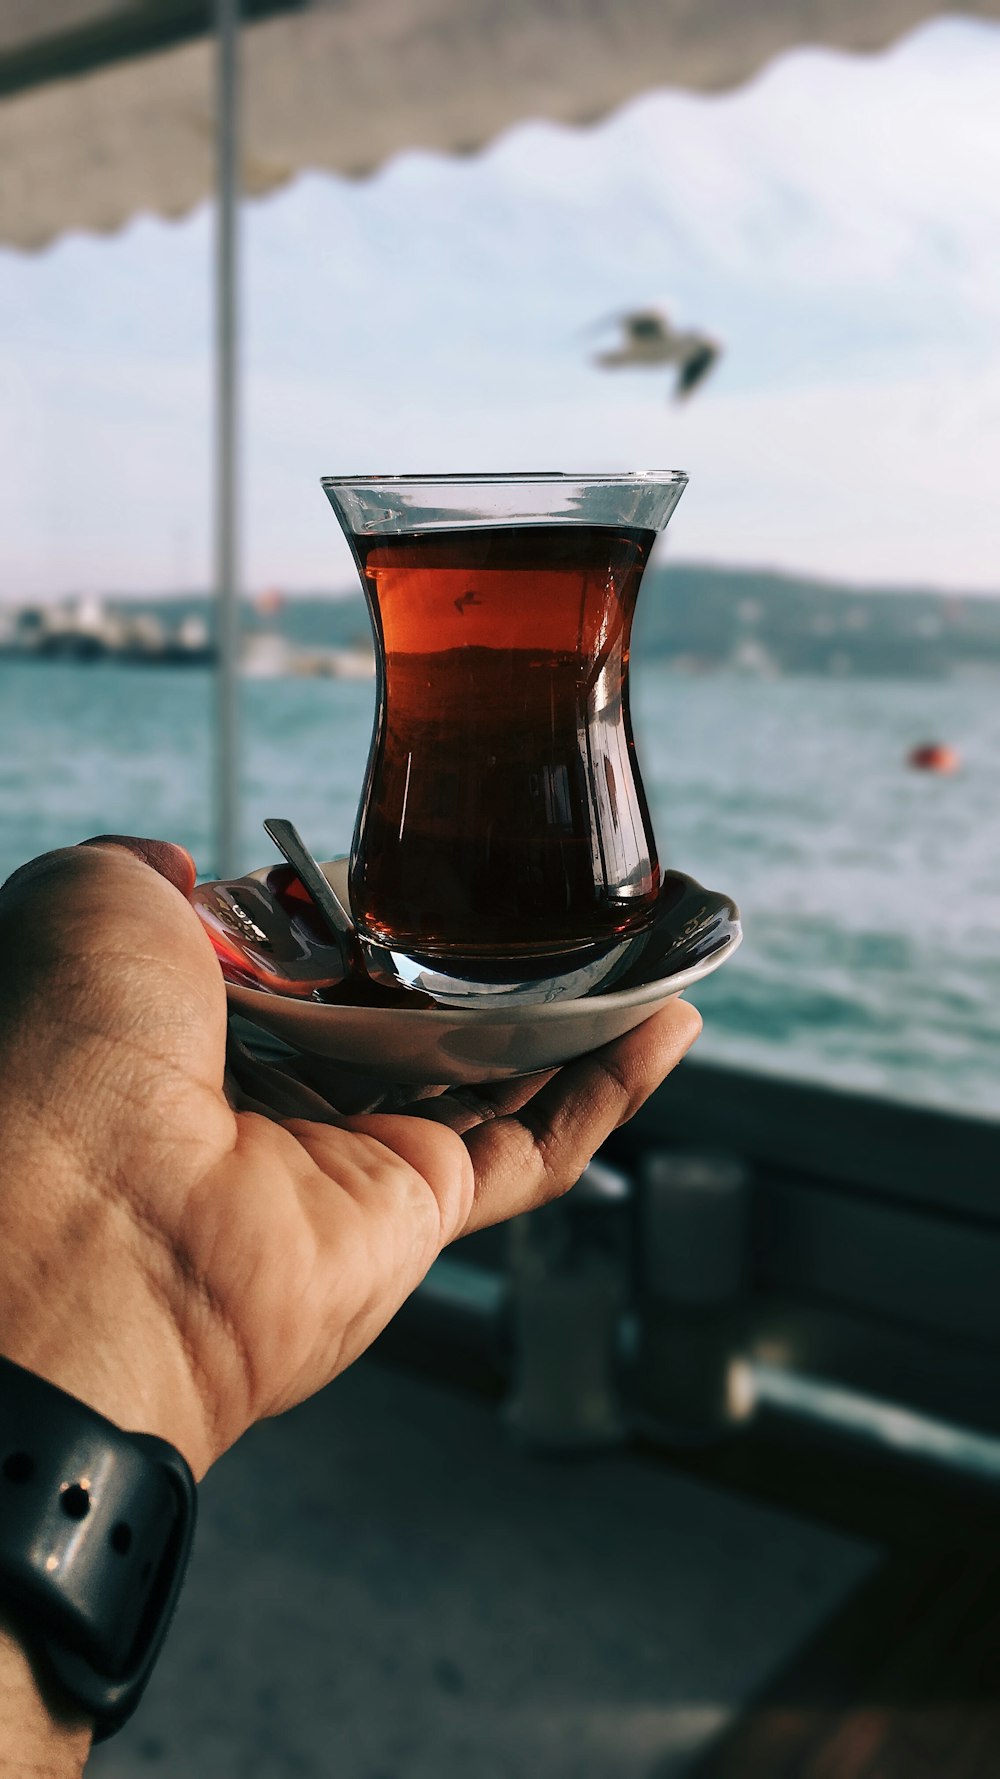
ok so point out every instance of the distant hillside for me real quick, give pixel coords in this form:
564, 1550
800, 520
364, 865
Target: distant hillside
712, 617
705, 618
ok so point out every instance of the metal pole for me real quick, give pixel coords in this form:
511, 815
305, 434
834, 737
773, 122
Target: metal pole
227, 565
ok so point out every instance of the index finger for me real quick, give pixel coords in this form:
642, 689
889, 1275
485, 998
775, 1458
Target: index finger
163, 856
538, 1151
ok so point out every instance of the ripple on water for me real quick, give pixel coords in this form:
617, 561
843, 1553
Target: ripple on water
872, 955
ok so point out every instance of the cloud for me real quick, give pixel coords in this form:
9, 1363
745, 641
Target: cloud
834, 221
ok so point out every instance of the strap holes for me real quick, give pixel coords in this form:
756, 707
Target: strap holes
120, 1537
74, 1500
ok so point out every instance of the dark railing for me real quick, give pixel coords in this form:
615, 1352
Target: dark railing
751, 1241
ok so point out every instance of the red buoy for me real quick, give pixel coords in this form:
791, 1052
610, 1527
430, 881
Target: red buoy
934, 756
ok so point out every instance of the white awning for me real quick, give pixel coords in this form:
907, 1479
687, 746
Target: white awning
345, 84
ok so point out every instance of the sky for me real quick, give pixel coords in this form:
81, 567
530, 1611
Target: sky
836, 223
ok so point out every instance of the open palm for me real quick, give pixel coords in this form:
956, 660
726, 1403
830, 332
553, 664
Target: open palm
189, 1249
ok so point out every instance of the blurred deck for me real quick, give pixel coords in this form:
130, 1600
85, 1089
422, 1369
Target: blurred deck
385, 1587
903, 1684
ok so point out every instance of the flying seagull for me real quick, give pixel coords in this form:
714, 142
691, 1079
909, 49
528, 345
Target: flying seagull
649, 338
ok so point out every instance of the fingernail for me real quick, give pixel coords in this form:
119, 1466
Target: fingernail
164, 857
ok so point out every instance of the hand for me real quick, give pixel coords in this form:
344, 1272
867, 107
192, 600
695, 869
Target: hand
188, 1250
188, 1254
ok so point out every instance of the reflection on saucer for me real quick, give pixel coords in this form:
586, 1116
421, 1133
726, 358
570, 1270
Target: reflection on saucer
284, 974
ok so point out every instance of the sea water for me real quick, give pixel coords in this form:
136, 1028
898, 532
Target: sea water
870, 892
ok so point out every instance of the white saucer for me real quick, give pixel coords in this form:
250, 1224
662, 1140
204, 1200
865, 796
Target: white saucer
445, 1045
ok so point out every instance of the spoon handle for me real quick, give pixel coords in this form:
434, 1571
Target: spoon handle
293, 848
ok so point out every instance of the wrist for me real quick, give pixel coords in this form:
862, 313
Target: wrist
41, 1731
81, 1306
115, 1365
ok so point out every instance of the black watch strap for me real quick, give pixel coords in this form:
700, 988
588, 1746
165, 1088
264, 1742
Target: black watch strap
95, 1530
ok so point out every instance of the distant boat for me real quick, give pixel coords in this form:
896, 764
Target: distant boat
84, 629
934, 756
269, 655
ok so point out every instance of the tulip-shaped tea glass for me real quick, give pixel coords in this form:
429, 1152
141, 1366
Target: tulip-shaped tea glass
503, 821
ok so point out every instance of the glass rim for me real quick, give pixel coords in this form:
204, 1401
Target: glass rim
487, 478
